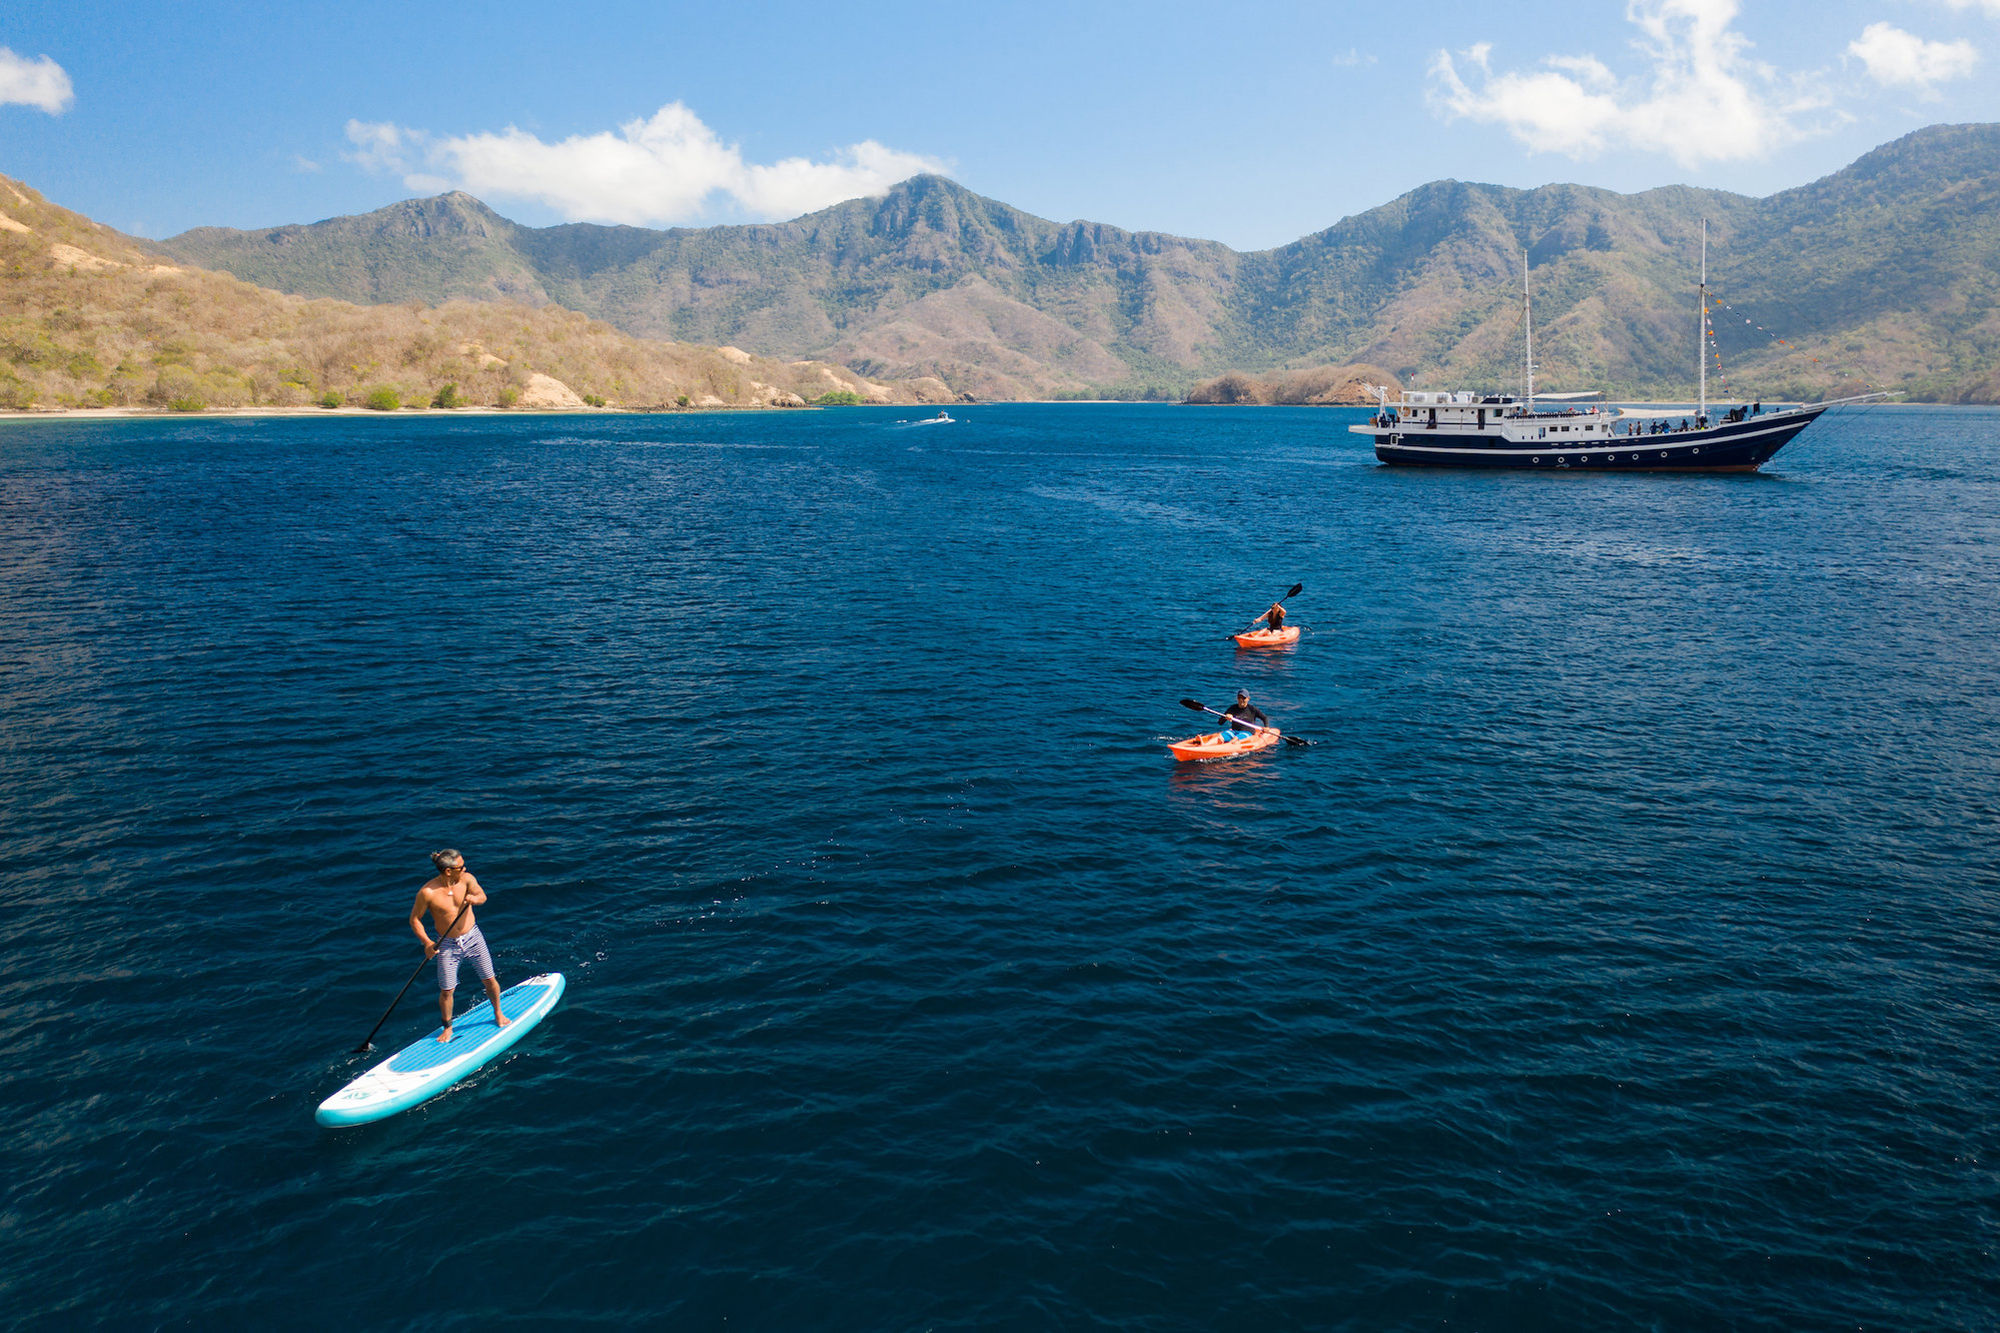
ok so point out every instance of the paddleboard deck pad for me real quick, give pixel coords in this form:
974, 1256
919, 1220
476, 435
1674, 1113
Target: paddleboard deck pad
423, 1069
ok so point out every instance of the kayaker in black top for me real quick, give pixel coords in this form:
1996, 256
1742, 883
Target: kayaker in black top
1274, 619
1241, 714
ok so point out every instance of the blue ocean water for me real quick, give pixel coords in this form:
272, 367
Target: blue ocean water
1621, 954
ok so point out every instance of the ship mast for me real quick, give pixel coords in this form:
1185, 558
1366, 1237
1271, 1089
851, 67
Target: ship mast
1701, 335
1528, 327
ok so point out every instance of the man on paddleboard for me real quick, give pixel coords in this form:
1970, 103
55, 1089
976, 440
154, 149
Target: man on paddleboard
450, 898
1242, 714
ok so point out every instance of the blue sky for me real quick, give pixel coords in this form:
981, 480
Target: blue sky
1251, 123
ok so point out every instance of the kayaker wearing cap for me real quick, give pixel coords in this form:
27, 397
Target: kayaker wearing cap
453, 891
1245, 712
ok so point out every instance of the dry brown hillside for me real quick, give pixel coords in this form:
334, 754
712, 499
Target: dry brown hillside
93, 318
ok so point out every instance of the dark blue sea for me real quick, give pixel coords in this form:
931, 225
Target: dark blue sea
1622, 954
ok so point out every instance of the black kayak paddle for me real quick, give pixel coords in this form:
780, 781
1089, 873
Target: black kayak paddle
1297, 588
1199, 707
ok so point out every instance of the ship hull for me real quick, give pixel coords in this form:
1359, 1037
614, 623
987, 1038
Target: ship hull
1740, 446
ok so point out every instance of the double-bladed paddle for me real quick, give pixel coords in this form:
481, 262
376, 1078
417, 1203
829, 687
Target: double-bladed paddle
1199, 707
1297, 588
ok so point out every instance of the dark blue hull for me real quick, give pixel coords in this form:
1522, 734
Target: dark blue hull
1740, 446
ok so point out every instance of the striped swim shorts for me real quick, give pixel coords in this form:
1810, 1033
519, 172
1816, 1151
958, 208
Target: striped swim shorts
468, 948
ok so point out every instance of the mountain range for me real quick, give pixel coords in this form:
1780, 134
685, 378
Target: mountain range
92, 319
1883, 274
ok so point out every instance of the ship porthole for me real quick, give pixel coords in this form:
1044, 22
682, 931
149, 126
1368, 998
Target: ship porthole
1663, 453
1697, 450
1534, 460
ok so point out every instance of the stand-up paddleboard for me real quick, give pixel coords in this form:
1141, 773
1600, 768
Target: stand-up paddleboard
423, 1069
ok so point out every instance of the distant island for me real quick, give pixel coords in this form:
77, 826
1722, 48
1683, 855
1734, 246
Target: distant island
1885, 274
1315, 386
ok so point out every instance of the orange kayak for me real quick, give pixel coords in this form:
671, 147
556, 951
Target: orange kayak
1264, 638
1212, 746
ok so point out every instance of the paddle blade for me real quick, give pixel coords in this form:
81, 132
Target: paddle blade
1297, 588
364, 1048
1299, 742
1198, 707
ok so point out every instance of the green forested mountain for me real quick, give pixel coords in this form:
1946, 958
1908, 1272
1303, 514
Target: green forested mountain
1887, 272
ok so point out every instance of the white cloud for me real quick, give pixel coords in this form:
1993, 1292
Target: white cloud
665, 169
1705, 99
1900, 59
1989, 6
376, 147
1353, 58
37, 83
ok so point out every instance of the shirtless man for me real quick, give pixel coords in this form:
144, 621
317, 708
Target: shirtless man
444, 897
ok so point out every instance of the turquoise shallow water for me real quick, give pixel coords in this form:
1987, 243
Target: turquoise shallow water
1623, 954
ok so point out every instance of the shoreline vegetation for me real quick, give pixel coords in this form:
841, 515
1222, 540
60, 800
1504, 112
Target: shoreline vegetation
146, 413
1318, 386
310, 413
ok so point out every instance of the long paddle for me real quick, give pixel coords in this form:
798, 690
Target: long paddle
368, 1042
1297, 588
1300, 741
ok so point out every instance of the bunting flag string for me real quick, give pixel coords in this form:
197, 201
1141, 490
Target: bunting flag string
1789, 345
1708, 329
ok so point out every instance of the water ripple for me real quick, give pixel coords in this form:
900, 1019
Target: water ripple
1620, 954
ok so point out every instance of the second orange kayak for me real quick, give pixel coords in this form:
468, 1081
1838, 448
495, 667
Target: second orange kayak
1212, 746
1264, 638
